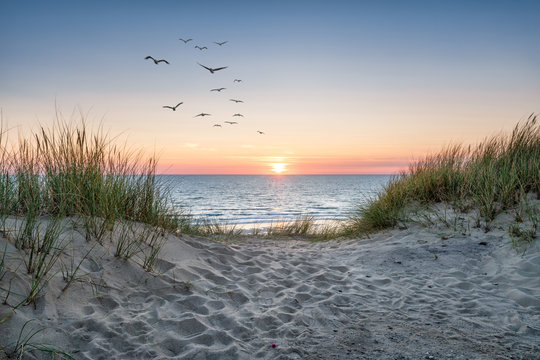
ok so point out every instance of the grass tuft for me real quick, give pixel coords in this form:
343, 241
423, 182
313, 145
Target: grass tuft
70, 171
491, 177
24, 344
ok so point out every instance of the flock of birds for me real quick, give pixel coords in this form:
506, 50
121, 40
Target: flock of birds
212, 71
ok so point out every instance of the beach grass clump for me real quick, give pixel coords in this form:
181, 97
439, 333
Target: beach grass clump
70, 268
301, 226
492, 177
69, 171
213, 229
524, 230
100, 179
139, 239
7, 188
305, 227
24, 344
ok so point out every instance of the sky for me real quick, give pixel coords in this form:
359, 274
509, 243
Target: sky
337, 87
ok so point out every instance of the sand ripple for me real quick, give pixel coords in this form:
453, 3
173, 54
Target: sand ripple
403, 294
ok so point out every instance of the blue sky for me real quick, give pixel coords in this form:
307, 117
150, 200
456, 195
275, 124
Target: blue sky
337, 86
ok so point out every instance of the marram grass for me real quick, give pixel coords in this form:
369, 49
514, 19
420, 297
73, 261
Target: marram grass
492, 177
70, 171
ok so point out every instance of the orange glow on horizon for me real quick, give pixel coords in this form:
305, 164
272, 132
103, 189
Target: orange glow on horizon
294, 164
307, 168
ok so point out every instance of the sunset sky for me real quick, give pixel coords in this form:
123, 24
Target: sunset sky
337, 87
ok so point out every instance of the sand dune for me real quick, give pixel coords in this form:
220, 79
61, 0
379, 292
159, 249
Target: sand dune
403, 294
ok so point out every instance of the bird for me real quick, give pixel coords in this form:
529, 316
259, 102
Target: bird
213, 69
217, 125
202, 114
260, 132
218, 89
220, 43
185, 41
200, 48
156, 61
236, 101
173, 108
231, 122
237, 80
238, 115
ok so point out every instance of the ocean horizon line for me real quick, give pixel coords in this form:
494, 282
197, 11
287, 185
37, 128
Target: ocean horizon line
277, 175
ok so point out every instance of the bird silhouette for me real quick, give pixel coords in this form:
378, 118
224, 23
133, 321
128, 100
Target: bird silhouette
185, 41
236, 101
231, 122
156, 61
217, 125
200, 48
173, 108
237, 80
213, 69
218, 89
238, 115
260, 132
220, 43
202, 114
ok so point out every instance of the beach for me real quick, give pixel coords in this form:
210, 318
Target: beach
269, 180
415, 292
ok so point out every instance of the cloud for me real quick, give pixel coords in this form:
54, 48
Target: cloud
191, 145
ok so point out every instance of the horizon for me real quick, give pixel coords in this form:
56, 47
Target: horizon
273, 174
344, 88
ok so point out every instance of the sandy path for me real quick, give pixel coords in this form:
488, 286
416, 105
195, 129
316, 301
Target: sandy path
401, 295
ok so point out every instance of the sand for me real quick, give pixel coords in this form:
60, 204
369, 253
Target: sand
415, 293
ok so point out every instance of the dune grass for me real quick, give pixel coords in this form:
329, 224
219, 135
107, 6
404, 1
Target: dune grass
70, 172
305, 227
492, 177
24, 344
213, 229
70, 177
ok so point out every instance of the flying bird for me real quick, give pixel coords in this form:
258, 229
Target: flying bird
231, 122
237, 80
217, 125
202, 114
173, 108
156, 61
213, 69
220, 43
185, 41
260, 132
200, 48
236, 101
238, 115
218, 89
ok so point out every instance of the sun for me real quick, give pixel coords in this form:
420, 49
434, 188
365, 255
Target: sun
279, 168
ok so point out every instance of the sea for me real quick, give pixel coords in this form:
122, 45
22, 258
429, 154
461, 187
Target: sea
250, 201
